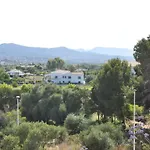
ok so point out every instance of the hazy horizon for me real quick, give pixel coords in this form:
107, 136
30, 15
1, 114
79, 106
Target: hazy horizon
64, 46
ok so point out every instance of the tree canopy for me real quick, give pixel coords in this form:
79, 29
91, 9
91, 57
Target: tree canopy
107, 93
142, 55
55, 63
4, 77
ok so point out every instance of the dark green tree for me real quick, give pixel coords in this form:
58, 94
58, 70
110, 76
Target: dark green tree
4, 77
71, 68
55, 63
8, 97
52, 103
142, 55
138, 70
107, 93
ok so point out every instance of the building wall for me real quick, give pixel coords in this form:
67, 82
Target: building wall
65, 78
15, 73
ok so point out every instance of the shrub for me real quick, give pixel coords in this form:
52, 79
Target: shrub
89, 78
31, 135
14, 84
10, 143
102, 137
74, 124
2, 119
41, 133
26, 88
128, 110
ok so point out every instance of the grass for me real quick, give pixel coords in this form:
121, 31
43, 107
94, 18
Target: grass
71, 143
33, 78
64, 146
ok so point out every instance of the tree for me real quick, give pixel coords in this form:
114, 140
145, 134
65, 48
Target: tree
75, 99
4, 77
142, 55
8, 97
107, 93
44, 103
30, 100
71, 68
138, 70
55, 63
51, 103
59, 63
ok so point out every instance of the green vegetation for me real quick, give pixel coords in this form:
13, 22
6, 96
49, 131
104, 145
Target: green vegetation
96, 116
105, 136
52, 64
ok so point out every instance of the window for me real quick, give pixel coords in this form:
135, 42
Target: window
56, 77
79, 82
63, 76
79, 77
69, 77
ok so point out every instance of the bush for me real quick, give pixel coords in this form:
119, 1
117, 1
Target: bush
41, 134
97, 140
74, 124
10, 143
89, 78
26, 88
128, 110
102, 137
2, 119
30, 135
14, 84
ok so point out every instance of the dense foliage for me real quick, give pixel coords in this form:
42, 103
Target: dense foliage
104, 136
109, 86
94, 116
55, 63
53, 103
142, 55
28, 135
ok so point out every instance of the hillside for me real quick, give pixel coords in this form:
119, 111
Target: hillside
112, 51
21, 53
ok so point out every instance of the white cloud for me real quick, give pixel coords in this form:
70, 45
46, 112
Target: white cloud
74, 23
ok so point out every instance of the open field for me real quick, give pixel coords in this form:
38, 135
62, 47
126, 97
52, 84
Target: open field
33, 78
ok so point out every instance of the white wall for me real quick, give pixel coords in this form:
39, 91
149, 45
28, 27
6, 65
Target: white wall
60, 79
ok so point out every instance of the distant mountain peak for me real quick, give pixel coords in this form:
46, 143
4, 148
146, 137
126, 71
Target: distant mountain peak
112, 51
32, 54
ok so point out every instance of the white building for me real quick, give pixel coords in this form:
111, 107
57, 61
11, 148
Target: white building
15, 73
65, 77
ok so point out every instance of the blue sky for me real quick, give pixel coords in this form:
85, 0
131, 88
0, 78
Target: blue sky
74, 23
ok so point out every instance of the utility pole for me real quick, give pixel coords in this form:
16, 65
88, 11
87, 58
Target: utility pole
17, 97
134, 122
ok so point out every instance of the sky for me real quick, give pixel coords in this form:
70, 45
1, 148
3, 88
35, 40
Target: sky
74, 23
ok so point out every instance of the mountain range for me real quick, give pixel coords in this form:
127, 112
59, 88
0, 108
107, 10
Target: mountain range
20, 53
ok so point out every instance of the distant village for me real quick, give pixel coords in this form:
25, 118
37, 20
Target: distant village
57, 77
